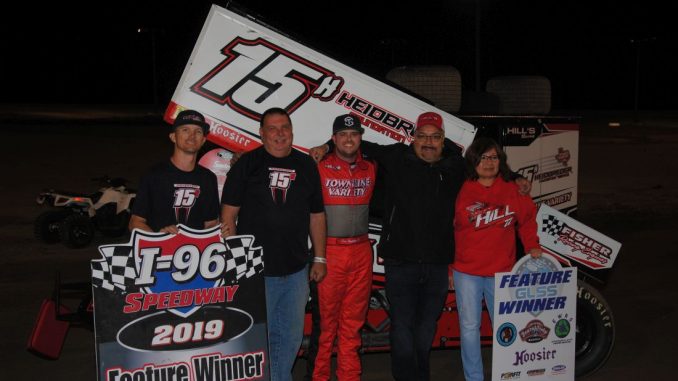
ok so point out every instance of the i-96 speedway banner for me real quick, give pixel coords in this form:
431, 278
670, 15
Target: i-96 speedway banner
535, 308
182, 307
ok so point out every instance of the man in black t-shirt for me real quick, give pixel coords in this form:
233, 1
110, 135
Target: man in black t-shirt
179, 191
275, 194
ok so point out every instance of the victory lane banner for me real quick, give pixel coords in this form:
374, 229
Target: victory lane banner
535, 308
182, 307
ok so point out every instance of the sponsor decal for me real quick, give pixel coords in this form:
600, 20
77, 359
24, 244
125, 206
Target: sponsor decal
552, 175
536, 372
347, 187
556, 200
218, 161
377, 118
591, 250
551, 168
563, 156
506, 334
534, 332
482, 215
522, 132
255, 70
529, 172
524, 356
569, 239
510, 375
558, 369
562, 326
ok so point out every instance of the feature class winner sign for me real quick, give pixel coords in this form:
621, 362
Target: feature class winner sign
182, 307
534, 320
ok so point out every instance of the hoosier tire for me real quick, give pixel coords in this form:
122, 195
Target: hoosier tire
46, 226
76, 231
595, 330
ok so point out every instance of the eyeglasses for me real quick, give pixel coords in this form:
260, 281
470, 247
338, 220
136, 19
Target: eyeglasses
489, 158
434, 137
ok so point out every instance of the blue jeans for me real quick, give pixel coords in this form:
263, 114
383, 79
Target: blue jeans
416, 293
286, 298
470, 291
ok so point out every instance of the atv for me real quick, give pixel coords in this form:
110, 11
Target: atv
74, 217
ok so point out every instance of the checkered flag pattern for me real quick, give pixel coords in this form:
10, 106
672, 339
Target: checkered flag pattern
116, 270
551, 225
100, 275
255, 262
241, 258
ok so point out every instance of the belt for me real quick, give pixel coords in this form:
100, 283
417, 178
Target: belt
347, 240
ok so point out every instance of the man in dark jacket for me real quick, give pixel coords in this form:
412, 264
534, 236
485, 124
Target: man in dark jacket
417, 241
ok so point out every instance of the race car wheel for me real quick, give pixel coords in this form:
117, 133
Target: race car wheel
595, 330
76, 231
46, 226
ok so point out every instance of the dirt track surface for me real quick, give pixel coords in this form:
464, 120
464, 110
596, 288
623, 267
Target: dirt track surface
628, 190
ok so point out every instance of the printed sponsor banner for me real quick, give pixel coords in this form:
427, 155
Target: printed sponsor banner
239, 68
535, 309
189, 306
572, 240
550, 161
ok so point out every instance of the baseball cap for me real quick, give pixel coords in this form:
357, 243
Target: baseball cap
191, 117
431, 118
346, 122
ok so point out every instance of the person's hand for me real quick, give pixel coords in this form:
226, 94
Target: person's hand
524, 186
535, 253
317, 153
172, 229
235, 157
318, 272
450, 279
226, 231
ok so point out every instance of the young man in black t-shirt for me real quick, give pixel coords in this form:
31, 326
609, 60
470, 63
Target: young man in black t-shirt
275, 194
179, 191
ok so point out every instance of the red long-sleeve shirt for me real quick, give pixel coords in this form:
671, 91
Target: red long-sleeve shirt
485, 223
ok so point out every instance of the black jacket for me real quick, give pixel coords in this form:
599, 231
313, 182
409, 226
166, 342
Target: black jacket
419, 202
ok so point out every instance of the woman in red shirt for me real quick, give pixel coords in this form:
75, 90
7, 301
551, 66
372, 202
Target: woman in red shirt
488, 211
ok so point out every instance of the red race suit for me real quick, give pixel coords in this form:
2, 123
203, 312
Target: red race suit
344, 293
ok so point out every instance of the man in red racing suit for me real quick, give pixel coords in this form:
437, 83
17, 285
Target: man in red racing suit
347, 182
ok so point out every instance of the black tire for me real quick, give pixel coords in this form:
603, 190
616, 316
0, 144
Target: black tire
595, 330
76, 231
46, 226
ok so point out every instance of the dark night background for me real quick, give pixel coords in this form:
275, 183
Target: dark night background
92, 53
